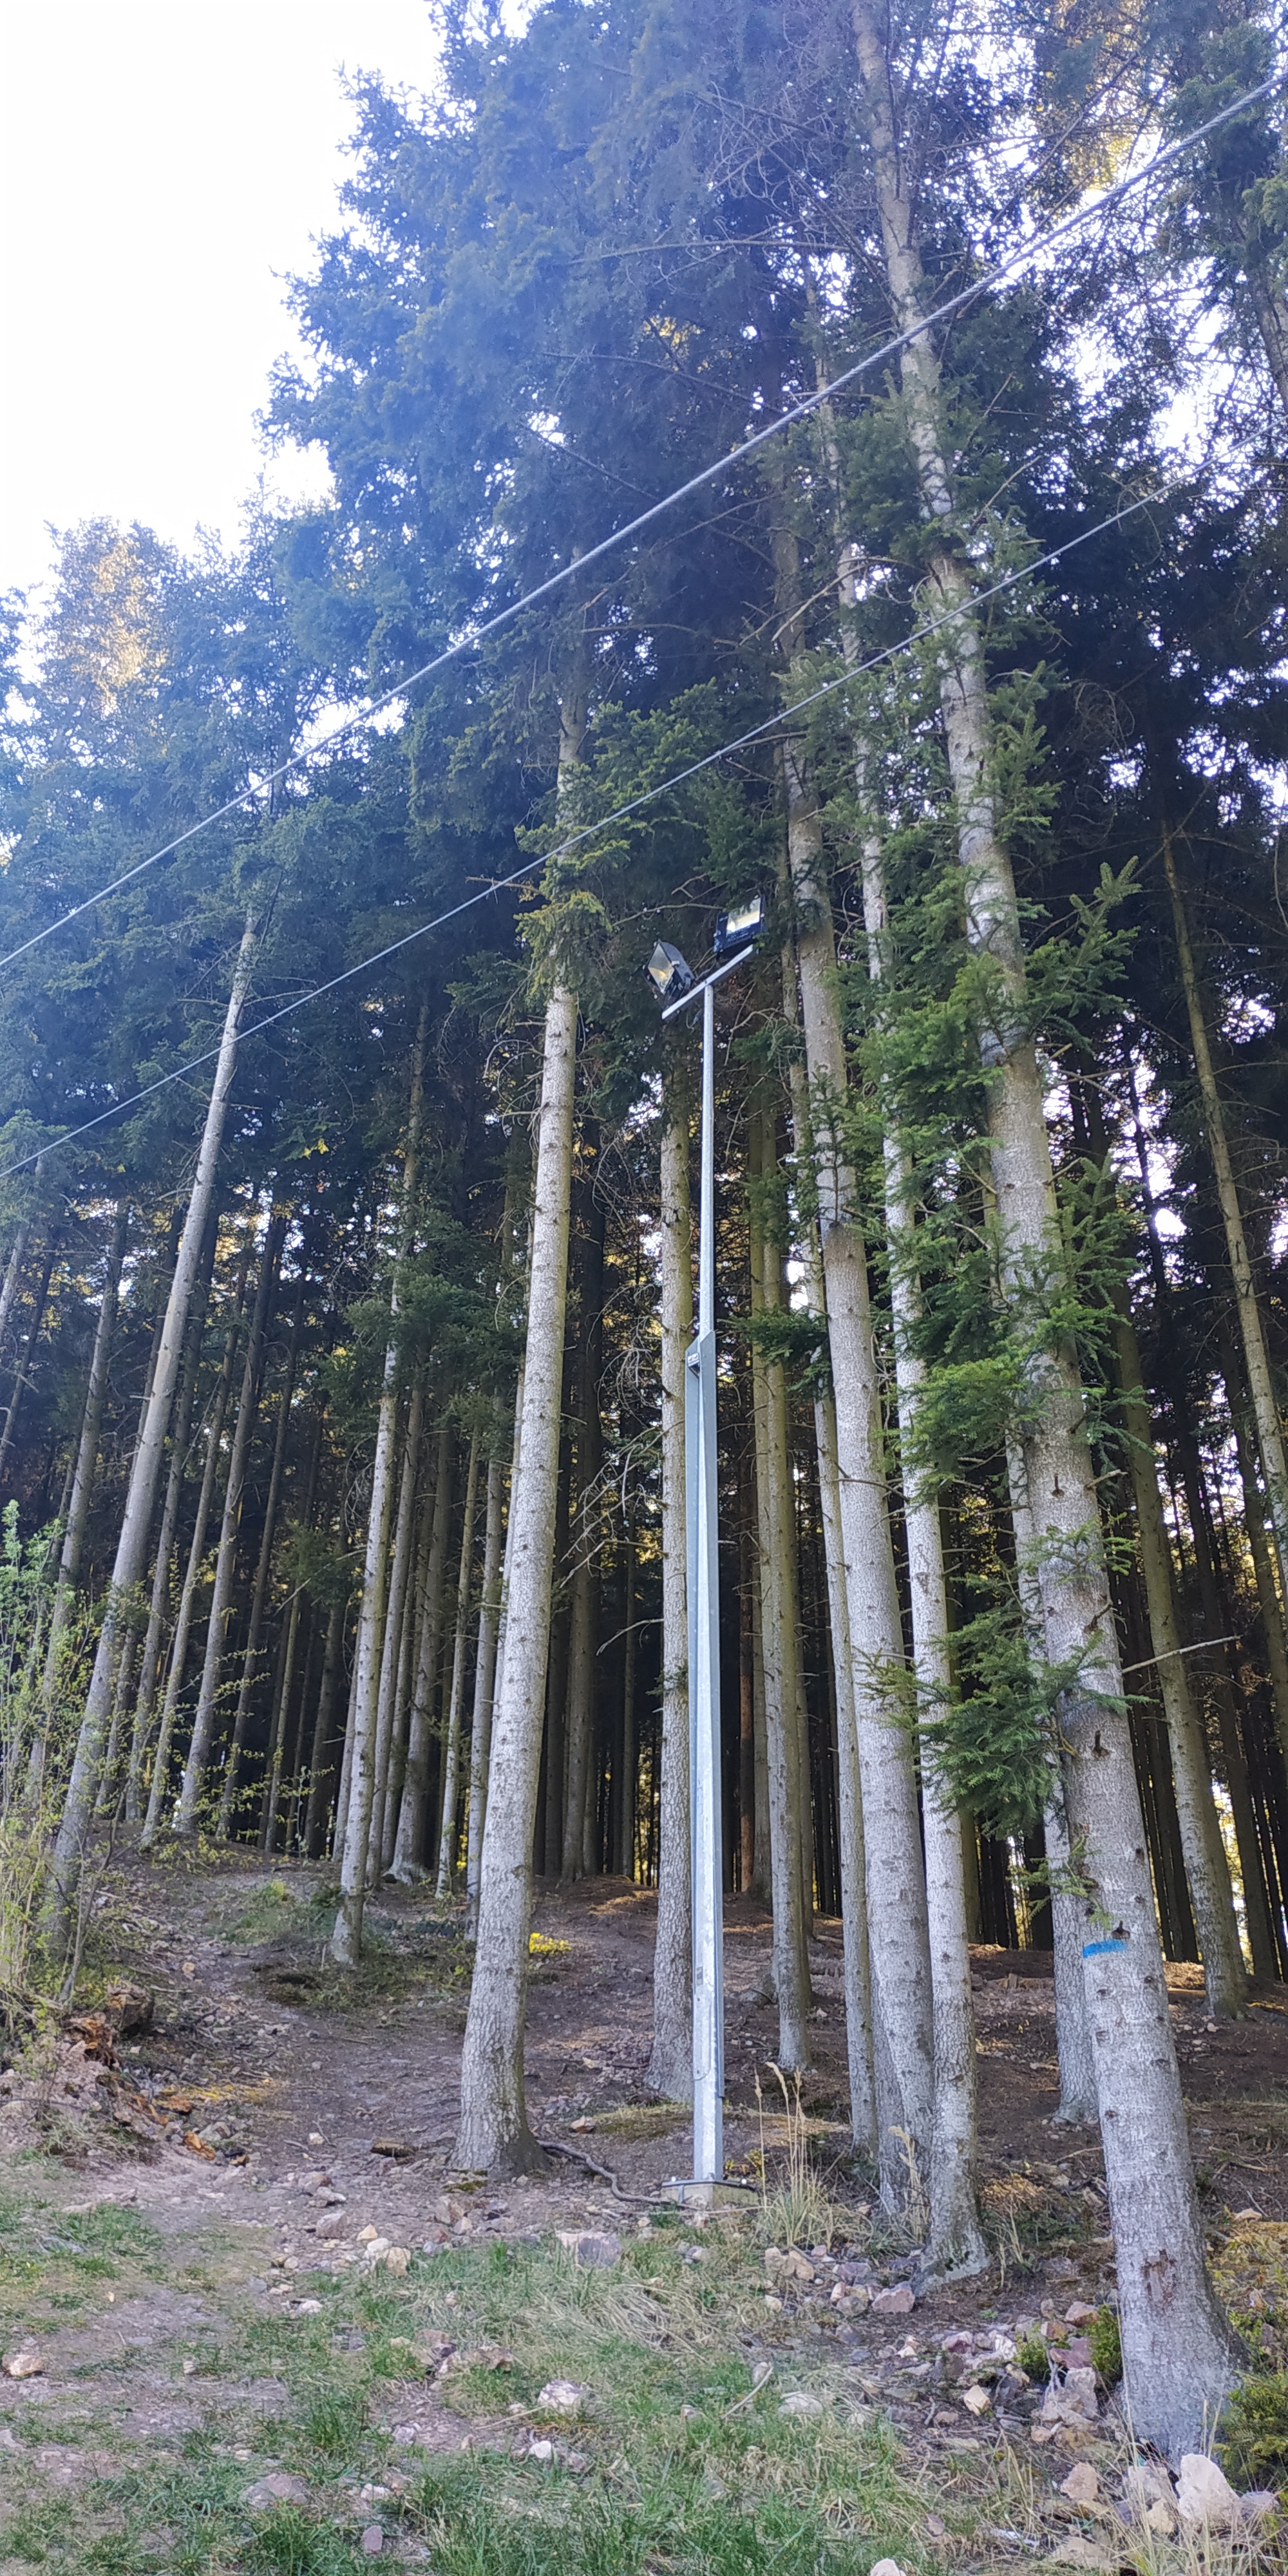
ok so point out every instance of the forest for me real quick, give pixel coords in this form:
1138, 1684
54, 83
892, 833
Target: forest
818, 454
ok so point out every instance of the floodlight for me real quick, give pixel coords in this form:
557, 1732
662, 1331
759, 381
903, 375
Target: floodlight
738, 927
669, 971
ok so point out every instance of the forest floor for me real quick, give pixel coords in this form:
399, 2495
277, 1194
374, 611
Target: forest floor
266, 2329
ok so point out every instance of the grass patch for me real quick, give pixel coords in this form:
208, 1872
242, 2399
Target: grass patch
265, 1912
37, 2530
289, 2543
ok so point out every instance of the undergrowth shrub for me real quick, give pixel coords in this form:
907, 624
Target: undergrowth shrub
1253, 2436
41, 1698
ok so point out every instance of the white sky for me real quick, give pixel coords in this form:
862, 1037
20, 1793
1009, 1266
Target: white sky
164, 165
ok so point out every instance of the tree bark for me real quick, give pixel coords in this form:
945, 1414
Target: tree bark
145, 1698
325, 1745
346, 1937
624, 1848
196, 1554
580, 1854
1179, 2355
1207, 1870
670, 2066
396, 1610
280, 1699
898, 1935
484, 1689
856, 1966
24, 1355
494, 2132
264, 1566
409, 1848
69, 1563
1256, 1356
776, 1535
447, 1836
955, 2248
13, 1273
361, 1746
132, 1546
221, 1603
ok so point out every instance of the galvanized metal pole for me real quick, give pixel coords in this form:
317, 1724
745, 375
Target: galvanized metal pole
704, 1664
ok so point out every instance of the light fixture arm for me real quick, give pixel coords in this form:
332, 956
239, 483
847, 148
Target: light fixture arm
717, 975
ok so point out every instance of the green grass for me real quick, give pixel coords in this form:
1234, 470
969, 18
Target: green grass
267, 1911
288, 2543
669, 2482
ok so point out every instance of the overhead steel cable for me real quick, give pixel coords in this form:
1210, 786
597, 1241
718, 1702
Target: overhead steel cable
734, 456
588, 831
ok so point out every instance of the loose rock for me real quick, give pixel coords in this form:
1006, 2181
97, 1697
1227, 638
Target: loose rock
1144, 2485
1071, 2402
801, 2402
1204, 2494
24, 2364
278, 2488
791, 2266
591, 2251
562, 2397
1082, 2486
894, 2303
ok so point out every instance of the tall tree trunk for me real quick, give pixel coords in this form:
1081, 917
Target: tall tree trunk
281, 1698
1259, 1546
145, 1698
494, 2132
1256, 1911
284, 1683
192, 1573
346, 1936
221, 1603
325, 1743
898, 1934
414, 1808
1178, 2352
1256, 1356
670, 2066
264, 1566
25, 1354
361, 1749
955, 2248
776, 1533
407, 1653
624, 1847
447, 1836
69, 1563
1261, 1940
1206, 1867
136, 1524
484, 1689
580, 1790
11, 1288
856, 1967
340, 1819
396, 1609
747, 1717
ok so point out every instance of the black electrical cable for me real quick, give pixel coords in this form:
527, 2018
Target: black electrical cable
802, 410
587, 831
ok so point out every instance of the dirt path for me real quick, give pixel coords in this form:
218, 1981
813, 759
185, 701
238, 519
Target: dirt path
196, 2309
